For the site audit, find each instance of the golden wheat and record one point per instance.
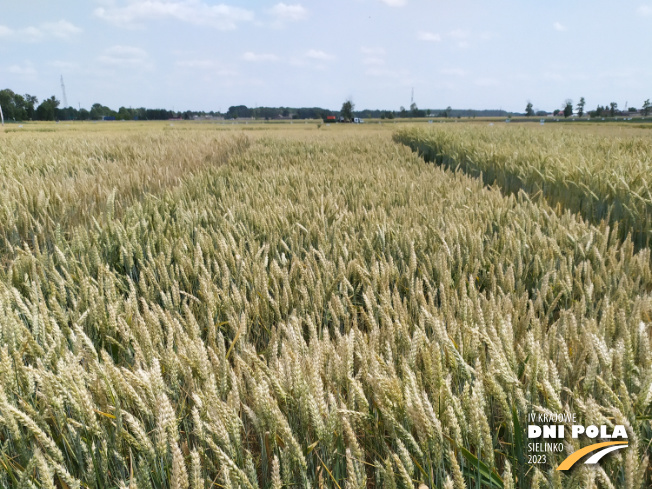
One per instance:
(301, 308)
(601, 175)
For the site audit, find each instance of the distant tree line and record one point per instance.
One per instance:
(608, 110)
(271, 113)
(611, 110)
(17, 107)
(348, 112)
(26, 107)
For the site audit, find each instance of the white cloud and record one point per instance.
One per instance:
(249, 56)
(387, 73)
(459, 36)
(394, 77)
(428, 36)
(559, 27)
(202, 64)
(285, 12)
(64, 65)
(207, 66)
(374, 56)
(222, 17)
(320, 55)
(395, 3)
(372, 51)
(124, 56)
(61, 29)
(26, 70)
(644, 10)
(30, 33)
(373, 61)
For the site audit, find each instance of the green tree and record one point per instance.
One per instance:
(239, 111)
(20, 104)
(568, 109)
(30, 106)
(347, 110)
(125, 114)
(17, 107)
(529, 110)
(46, 111)
(613, 108)
(580, 107)
(7, 103)
(646, 107)
(599, 111)
(416, 112)
(66, 114)
(96, 111)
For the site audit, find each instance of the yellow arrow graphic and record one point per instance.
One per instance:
(575, 456)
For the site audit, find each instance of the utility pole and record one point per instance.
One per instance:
(63, 90)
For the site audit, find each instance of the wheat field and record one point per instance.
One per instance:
(199, 306)
(599, 172)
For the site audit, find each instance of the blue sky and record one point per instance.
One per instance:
(208, 55)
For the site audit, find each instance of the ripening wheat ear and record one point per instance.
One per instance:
(179, 478)
(46, 472)
(276, 474)
(507, 476)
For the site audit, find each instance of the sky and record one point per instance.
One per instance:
(209, 55)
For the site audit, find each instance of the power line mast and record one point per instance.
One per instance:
(412, 97)
(63, 90)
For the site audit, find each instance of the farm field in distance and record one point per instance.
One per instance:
(276, 306)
